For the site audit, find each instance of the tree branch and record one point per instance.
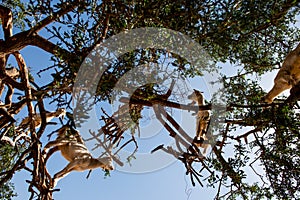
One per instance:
(68, 6)
(49, 47)
(164, 102)
(7, 24)
(236, 179)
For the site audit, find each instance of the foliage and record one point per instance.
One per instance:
(7, 191)
(7, 159)
(251, 34)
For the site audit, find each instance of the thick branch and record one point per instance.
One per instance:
(164, 102)
(23, 39)
(49, 47)
(15, 43)
(6, 18)
(25, 80)
(159, 112)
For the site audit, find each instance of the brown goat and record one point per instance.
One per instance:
(73, 149)
(202, 120)
(288, 75)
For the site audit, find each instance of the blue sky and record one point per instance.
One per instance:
(168, 182)
(165, 182)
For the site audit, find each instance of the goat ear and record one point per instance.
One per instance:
(197, 91)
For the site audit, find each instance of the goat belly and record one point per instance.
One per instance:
(84, 163)
(74, 151)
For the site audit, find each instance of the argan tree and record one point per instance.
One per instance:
(253, 36)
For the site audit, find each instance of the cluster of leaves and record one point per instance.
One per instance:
(246, 32)
(280, 154)
(274, 136)
(8, 158)
(7, 191)
(254, 34)
(6, 162)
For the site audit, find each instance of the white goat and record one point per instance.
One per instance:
(288, 75)
(73, 149)
(202, 120)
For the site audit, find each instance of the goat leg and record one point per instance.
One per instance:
(55, 143)
(64, 172)
(280, 85)
(50, 152)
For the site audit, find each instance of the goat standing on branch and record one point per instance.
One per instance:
(73, 149)
(203, 117)
(287, 77)
(61, 112)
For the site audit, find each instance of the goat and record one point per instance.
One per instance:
(288, 75)
(202, 120)
(73, 149)
(294, 94)
(26, 121)
(61, 112)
